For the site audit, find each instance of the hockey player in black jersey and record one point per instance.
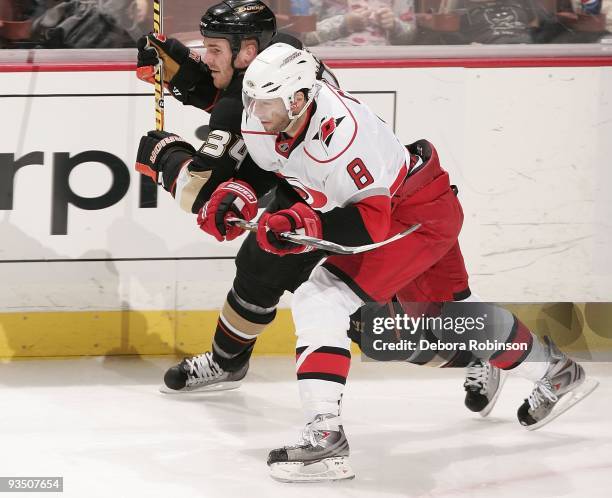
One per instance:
(234, 32)
(213, 85)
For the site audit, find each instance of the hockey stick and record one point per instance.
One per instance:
(158, 28)
(325, 245)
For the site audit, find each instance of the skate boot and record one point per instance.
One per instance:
(483, 383)
(563, 385)
(201, 374)
(320, 455)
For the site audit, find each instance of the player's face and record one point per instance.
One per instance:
(218, 58)
(272, 114)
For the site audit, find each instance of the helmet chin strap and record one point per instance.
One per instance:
(236, 70)
(292, 119)
(234, 57)
(235, 45)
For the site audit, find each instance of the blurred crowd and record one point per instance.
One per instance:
(72, 23)
(338, 23)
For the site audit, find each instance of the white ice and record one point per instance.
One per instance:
(103, 426)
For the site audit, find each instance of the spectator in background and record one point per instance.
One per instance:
(496, 21)
(16, 20)
(91, 24)
(129, 14)
(607, 10)
(361, 22)
(575, 21)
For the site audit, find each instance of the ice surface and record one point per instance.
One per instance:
(102, 424)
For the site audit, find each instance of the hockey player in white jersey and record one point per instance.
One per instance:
(361, 185)
(232, 30)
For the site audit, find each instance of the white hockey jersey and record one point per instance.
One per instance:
(343, 154)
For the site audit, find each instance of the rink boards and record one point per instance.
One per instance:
(92, 261)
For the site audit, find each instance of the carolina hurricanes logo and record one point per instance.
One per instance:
(327, 129)
(313, 197)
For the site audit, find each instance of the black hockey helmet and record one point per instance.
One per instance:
(237, 20)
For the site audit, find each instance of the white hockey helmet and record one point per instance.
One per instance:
(278, 72)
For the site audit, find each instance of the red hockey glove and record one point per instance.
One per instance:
(233, 199)
(299, 218)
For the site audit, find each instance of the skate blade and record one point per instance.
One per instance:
(221, 386)
(487, 409)
(329, 469)
(568, 400)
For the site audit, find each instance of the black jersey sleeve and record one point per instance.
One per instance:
(193, 85)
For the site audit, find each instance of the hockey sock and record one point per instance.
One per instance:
(536, 363)
(530, 362)
(321, 310)
(238, 327)
(321, 373)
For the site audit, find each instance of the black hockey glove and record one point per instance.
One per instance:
(158, 149)
(182, 66)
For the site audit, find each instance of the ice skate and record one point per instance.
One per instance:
(483, 383)
(201, 374)
(563, 385)
(320, 455)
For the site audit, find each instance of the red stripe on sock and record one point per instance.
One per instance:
(509, 358)
(326, 363)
